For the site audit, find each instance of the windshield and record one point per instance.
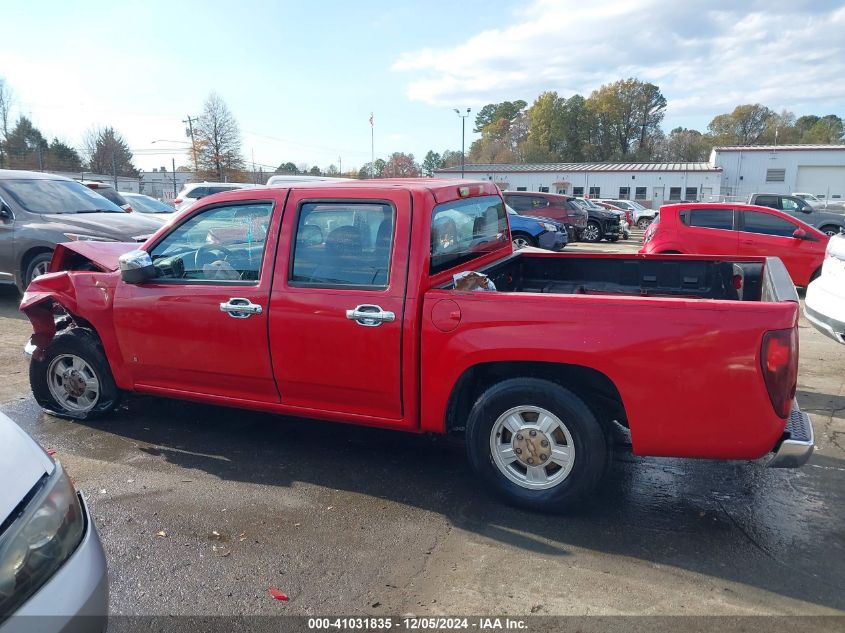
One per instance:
(589, 204)
(56, 196)
(148, 205)
(466, 229)
(636, 205)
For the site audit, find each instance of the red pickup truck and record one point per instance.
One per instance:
(340, 301)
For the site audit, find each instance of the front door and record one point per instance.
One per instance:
(658, 197)
(338, 302)
(200, 326)
(770, 235)
(7, 246)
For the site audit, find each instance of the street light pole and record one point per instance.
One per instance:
(463, 136)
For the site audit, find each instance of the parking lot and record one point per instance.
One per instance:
(201, 509)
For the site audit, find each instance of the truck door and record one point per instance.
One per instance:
(200, 326)
(338, 301)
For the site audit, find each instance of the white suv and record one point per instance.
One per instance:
(824, 305)
(193, 191)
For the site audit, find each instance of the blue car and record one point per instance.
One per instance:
(541, 232)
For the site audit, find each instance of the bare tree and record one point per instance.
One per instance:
(218, 140)
(6, 100)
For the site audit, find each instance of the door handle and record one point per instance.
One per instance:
(370, 315)
(748, 242)
(240, 308)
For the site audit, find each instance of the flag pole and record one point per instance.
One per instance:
(372, 145)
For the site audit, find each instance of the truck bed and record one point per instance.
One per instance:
(680, 276)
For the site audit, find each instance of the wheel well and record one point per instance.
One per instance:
(835, 228)
(592, 386)
(30, 255)
(522, 234)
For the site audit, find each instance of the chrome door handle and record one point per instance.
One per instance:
(240, 308)
(370, 315)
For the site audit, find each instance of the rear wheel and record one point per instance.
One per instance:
(521, 240)
(536, 443)
(591, 232)
(643, 223)
(73, 378)
(830, 230)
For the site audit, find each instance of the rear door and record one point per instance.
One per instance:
(707, 231)
(770, 235)
(337, 305)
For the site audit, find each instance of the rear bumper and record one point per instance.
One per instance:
(797, 446)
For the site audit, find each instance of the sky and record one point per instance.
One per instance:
(303, 77)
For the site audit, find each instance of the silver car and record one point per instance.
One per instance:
(52, 563)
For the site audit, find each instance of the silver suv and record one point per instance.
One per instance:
(38, 211)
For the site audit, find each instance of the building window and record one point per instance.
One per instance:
(775, 175)
(521, 189)
(624, 193)
(578, 191)
(691, 194)
(640, 193)
(595, 192)
(674, 193)
(543, 190)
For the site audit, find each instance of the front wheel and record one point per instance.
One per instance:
(38, 266)
(591, 232)
(536, 443)
(830, 230)
(73, 378)
(521, 240)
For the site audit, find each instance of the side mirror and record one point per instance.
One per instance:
(801, 234)
(806, 209)
(5, 212)
(136, 267)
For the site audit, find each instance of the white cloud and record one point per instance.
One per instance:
(706, 56)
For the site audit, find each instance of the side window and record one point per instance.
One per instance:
(198, 192)
(466, 229)
(519, 203)
(767, 201)
(212, 190)
(788, 204)
(219, 244)
(539, 203)
(767, 224)
(343, 244)
(711, 218)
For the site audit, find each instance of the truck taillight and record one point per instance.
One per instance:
(779, 361)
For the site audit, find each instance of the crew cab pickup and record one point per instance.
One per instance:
(372, 303)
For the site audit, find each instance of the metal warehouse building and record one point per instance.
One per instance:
(816, 169)
(651, 184)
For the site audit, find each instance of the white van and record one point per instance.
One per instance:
(282, 180)
(193, 191)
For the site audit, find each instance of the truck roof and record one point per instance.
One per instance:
(441, 188)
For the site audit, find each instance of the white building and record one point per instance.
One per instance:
(816, 169)
(124, 183)
(651, 184)
(163, 184)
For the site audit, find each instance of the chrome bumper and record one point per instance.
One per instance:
(796, 449)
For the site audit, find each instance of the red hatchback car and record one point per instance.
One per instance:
(738, 230)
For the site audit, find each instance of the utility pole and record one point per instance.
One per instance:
(372, 147)
(339, 166)
(189, 121)
(41, 160)
(463, 136)
(173, 162)
(254, 181)
(114, 169)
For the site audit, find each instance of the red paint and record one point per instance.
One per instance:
(689, 371)
(278, 595)
(802, 257)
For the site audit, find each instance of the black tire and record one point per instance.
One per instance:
(592, 232)
(528, 240)
(84, 344)
(830, 230)
(613, 238)
(35, 263)
(591, 449)
(643, 223)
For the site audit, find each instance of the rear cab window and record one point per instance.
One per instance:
(464, 230)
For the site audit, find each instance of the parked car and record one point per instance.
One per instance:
(642, 215)
(598, 216)
(718, 228)
(109, 193)
(827, 221)
(377, 305)
(52, 563)
(821, 203)
(39, 210)
(549, 205)
(629, 215)
(540, 232)
(194, 191)
(824, 305)
(156, 209)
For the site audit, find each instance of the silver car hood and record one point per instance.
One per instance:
(119, 226)
(22, 464)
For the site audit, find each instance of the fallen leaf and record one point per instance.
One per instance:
(329, 507)
(161, 534)
(297, 524)
(51, 451)
(278, 595)
(103, 491)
